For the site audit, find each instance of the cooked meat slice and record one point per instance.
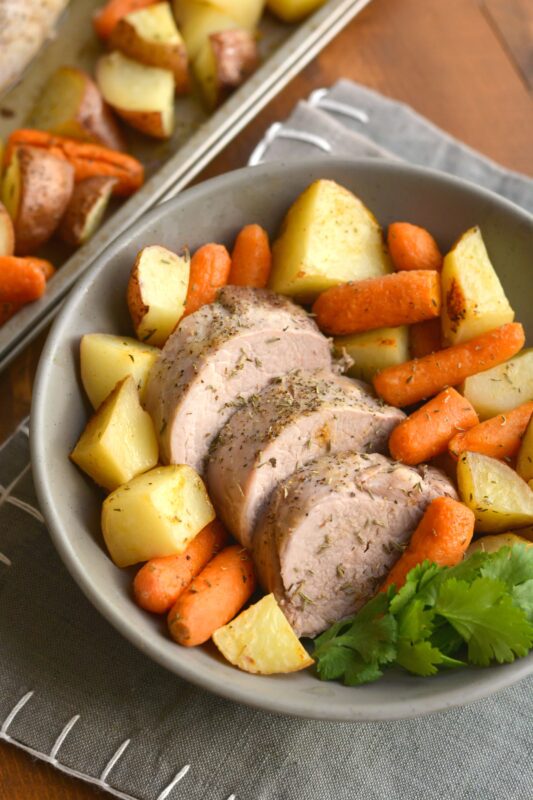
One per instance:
(295, 419)
(334, 529)
(24, 27)
(217, 358)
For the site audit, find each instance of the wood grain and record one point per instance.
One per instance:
(513, 20)
(452, 63)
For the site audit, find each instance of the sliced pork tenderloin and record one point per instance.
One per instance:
(294, 420)
(217, 358)
(333, 530)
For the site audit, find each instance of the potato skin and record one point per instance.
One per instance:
(167, 56)
(226, 60)
(150, 122)
(90, 119)
(76, 226)
(46, 187)
(136, 307)
(7, 234)
(236, 57)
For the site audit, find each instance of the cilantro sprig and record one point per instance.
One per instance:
(478, 612)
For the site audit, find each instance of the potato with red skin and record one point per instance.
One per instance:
(142, 95)
(36, 189)
(224, 61)
(86, 209)
(70, 104)
(150, 36)
(7, 233)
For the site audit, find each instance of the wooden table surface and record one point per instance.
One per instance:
(465, 64)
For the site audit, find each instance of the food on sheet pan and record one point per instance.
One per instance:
(24, 27)
(151, 52)
(333, 521)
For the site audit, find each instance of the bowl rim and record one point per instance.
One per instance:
(493, 680)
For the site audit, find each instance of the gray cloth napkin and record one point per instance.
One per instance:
(76, 694)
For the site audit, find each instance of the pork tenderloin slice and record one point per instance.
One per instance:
(294, 420)
(334, 529)
(218, 357)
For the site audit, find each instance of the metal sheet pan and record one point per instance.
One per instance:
(171, 165)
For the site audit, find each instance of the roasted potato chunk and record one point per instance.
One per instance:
(293, 10)
(70, 104)
(473, 298)
(328, 237)
(490, 544)
(375, 350)
(155, 514)
(150, 36)
(119, 441)
(86, 209)
(246, 13)
(223, 62)
(197, 21)
(501, 388)
(106, 359)
(36, 190)
(524, 462)
(499, 498)
(260, 640)
(7, 233)
(142, 95)
(157, 291)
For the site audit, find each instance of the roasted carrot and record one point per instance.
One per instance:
(87, 159)
(214, 597)
(398, 299)
(21, 280)
(106, 18)
(443, 535)
(159, 583)
(251, 259)
(411, 247)
(210, 269)
(45, 266)
(499, 437)
(426, 433)
(421, 378)
(425, 337)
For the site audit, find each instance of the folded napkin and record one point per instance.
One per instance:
(75, 693)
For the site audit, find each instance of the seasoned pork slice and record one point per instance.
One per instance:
(217, 358)
(334, 529)
(294, 420)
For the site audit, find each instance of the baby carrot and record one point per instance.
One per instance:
(21, 280)
(424, 377)
(425, 337)
(251, 258)
(426, 433)
(210, 269)
(106, 18)
(45, 266)
(442, 536)
(398, 299)
(499, 437)
(411, 247)
(159, 583)
(88, 159)
(214, 597)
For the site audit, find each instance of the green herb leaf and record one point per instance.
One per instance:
(486, 618)
(512, 565)
(420, 658)
(522, 596)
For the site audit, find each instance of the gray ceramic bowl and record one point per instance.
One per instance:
(215, 211)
